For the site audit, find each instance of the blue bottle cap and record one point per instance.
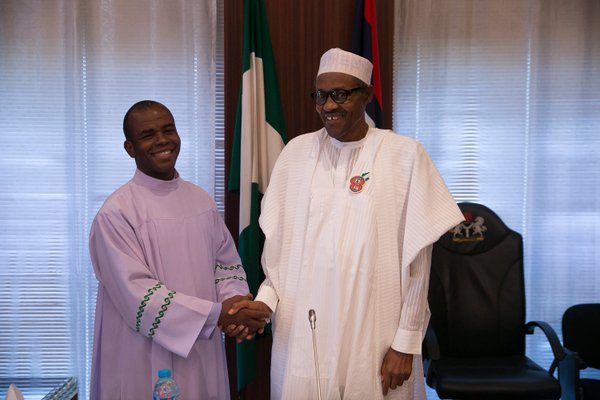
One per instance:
(164, 373)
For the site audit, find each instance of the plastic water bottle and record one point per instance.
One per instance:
(165, 388)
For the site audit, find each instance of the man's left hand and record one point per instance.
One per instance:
(395, 369)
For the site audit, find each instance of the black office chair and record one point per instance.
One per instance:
(581, 339)
(475, 344)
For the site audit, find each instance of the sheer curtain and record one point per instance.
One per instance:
(505, 96)
(68, 72)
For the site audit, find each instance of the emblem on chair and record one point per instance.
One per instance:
(470, 230)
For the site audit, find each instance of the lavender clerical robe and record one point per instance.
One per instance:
(164, 261)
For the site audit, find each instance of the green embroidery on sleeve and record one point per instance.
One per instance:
(140, 312)
(238, 278)
(161, 313)
(234, 268)
(227, 267)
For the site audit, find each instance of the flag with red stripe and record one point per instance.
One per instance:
(364, 43)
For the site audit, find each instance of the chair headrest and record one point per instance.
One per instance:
(481, 231)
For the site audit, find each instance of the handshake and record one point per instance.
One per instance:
(242, 318)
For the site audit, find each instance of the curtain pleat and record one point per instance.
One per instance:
(504, 95)
(69, 70)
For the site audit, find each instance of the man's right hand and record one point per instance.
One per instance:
(241, 306)
(246, 303)
(245, 321)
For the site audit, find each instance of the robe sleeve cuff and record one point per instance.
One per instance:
(408, 342)
(267, 295)
(181, 324)
(211, 321)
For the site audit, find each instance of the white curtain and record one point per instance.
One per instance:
(69, 70)
(505, 95)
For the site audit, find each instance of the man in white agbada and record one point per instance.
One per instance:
(349, 218)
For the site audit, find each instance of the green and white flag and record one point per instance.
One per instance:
(259, 138)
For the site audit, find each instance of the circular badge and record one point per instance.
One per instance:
(356, 184)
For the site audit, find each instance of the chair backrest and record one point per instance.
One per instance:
(476, 291)
(581, 332)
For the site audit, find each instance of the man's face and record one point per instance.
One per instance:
(344, 122)
(153, 142)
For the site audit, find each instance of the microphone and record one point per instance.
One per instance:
(312, 318)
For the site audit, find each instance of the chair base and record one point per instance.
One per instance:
(494, 378)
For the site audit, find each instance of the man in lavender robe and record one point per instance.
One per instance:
(168, 271)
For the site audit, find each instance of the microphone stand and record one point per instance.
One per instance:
(312, 318)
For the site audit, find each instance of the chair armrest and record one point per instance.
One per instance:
(557, 349)
(431, 345)
(568, 375)
(579, 363)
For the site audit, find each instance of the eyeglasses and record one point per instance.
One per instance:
(337, 95)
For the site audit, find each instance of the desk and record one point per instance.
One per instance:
(42, 388)
(67, 390)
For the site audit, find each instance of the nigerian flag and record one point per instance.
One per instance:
(259, 138)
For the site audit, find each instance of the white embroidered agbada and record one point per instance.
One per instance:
(360, 260)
